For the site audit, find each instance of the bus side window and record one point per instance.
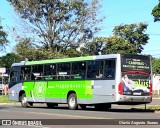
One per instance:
(25, 73)
(95, 70)
(109, 69)
(78, 70)
(37, 72)
(50, 72)
(63, 71)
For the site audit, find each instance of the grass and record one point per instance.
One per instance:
(4, 99)
(156, 96)
(154, 108)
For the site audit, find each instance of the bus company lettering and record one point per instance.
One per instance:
(142, 83)
(71, 86)
(135, 63)
(136, 66)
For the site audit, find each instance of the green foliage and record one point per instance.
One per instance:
(95, 46)
(156, 65)
(126, 39)
(71, 52)
(154, 108)
(60, 24)
(116, 44)
(3, 37)
(156, 12)
(25, 49)
(7, 60)
(133, 35)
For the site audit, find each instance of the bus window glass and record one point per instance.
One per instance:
(37, 72)
(78, 70)
(13, 76)
(25, 73)
(63, 71)
(109, 69)
(95, 70)
(50, 72)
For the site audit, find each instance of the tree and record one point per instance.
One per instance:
(60, 24)
(25, 49)
(126, 39)
(116, 44)
(3, 37)
(156, 12)
(94, 47)
(156, 65)
(7, 60)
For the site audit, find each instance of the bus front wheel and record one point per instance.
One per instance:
(24, 102)
(72, 101)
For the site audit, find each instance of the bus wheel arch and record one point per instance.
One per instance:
(72, 100)
(20, 95)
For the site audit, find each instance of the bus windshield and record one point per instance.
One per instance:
(136, 71)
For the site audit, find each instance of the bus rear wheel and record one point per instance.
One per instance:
(72, 101)
(24, 102)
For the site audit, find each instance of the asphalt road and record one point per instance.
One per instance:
(40, 111)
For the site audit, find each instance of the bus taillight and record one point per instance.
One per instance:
(120, 88)
(150, 90)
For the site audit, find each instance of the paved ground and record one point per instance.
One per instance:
(40, 111)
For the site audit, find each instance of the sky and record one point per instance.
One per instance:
(117, 12)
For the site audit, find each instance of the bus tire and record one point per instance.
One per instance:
(72, 101)
(51, 105)
(24, 102)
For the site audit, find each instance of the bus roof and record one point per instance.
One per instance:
(18, 64)
(71, 59)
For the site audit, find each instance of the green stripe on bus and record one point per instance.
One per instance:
(58, 89)
(59, 60)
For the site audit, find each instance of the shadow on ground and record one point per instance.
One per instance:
(120, 110)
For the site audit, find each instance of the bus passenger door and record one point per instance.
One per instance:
(14, 85)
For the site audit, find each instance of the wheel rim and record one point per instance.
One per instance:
(24, 100)
(72, 101)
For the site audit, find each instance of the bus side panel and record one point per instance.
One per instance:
(35, 91)
(14, 92)
(103, 92)
(118, 77)
(57, 91)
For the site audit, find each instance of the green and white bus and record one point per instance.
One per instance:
(100, 81)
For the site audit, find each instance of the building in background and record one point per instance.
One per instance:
(156, 84)
(3, 81)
